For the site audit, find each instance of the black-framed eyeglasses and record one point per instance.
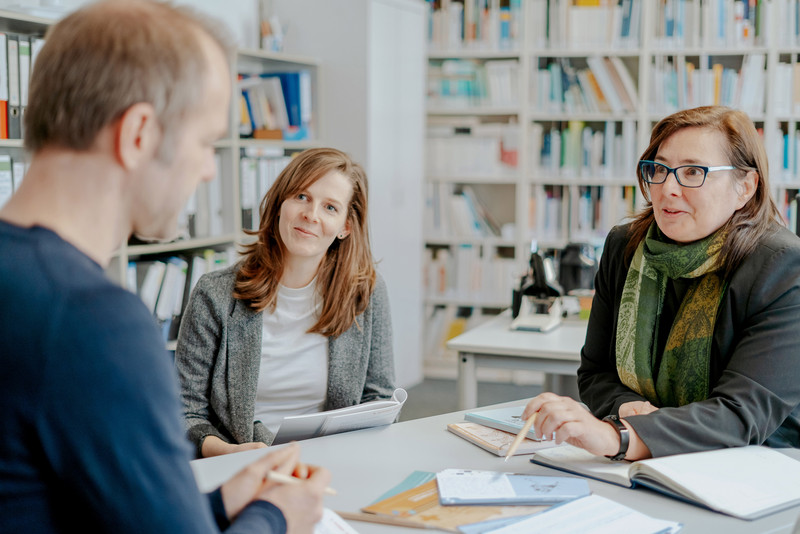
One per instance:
(687, 175)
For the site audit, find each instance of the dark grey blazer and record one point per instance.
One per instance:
(219, 353)
(755, 354)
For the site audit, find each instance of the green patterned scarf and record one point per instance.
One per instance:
(682, 375)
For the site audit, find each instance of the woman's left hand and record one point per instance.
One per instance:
(567, 420)
(636, 408)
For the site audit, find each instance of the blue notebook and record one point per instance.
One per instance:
(508, 419)
(467, 486)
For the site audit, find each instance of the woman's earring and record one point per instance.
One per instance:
(341, 236)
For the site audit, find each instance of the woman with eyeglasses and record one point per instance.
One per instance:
(694, 337)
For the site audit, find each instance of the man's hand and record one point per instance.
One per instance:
(247, 484)
(301, 503)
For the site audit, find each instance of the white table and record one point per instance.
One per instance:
(367, 463)
(493, 344)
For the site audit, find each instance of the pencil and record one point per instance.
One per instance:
(286, 479)
(521, 436)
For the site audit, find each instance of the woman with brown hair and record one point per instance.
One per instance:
(300, 325)
(693, 338)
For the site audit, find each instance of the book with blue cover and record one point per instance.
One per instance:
(467, 486)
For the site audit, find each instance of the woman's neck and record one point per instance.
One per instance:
(299, 272)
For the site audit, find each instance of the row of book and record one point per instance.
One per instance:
(585, 24)
(164, 285)
(453, 210)
(600, 150)
(727, 23)
(203, 215)
(474, 24)
(787, 203)
(276, 105)
(12, 171)
(597, 84)
(258, 169)
(468, 147)
(594, 211)
(786, 90)
(558, 214)
(18, 53)
(784, 157)
(714, 23)
(685, 85)
(469, 272)
(460, 83)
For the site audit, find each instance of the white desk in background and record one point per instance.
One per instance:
(367, 463)
(492, 344)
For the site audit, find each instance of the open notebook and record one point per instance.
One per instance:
(744, 482)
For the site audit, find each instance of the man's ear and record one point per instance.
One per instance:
(137, 135)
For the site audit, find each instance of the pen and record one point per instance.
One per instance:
(286, 479)
(521, 436)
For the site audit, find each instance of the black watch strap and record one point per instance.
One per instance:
(624, 437)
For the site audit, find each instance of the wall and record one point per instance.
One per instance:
(372, 56)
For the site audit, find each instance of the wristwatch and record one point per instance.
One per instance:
(624, 437)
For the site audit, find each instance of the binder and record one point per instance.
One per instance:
(6, 181)
(3, 86)
(18, 172)
(24, 77)
(14, 112)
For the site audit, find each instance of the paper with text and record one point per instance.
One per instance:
(590, 515)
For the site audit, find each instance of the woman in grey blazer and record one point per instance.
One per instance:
(300, 325)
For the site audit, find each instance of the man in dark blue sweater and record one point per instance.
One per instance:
(126, 101)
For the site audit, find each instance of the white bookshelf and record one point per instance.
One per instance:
(224, 235)
(648, 56)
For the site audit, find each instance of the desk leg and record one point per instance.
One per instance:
(467, 381)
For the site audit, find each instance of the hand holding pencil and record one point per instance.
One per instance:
(520, 436)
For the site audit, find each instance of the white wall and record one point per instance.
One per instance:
(372, 57)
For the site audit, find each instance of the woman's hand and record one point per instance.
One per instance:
(567, 420)
(636, 408)
(213, 446)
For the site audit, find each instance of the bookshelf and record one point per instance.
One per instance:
(557, 98)
(212, 222)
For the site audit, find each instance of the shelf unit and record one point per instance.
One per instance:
(228, 233)
(653, 58)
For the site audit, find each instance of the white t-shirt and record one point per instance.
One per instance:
(293, 377)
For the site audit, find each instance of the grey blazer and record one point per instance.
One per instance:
(219, 353)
